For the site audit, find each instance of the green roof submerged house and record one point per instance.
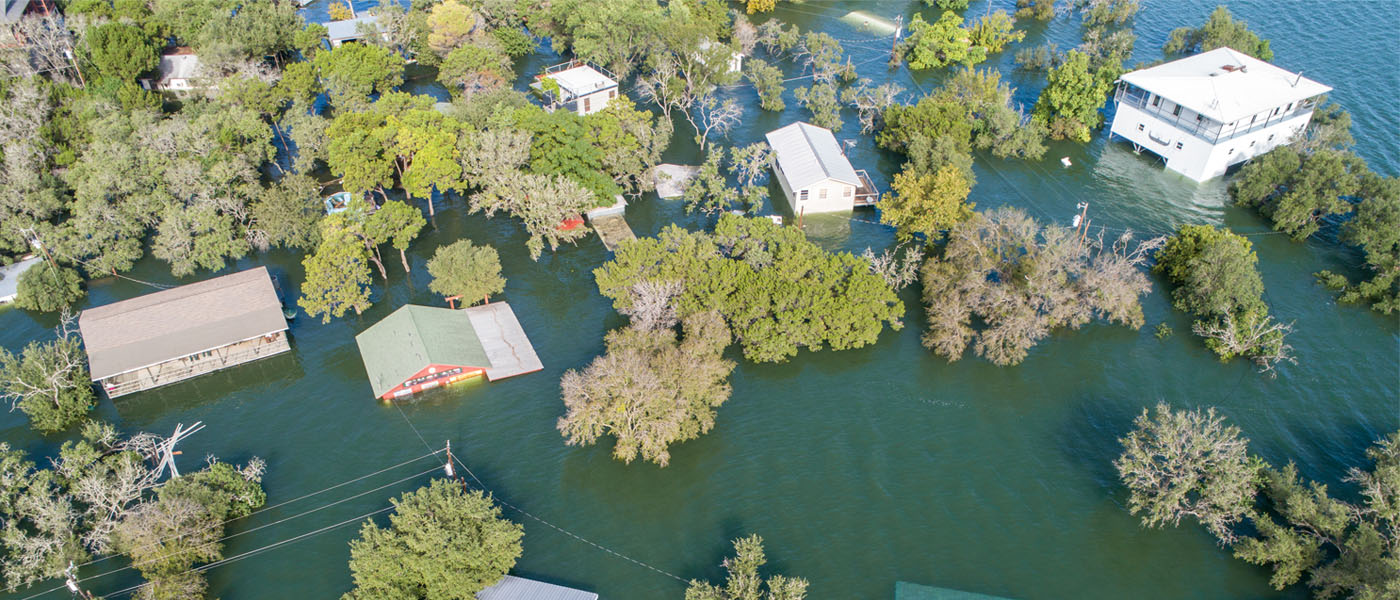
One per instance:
(418, 348)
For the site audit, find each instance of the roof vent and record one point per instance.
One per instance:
(1229, 68)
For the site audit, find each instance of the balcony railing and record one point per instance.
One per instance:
(866, 194)
(1204, 128)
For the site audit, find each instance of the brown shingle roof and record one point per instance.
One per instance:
(177, 322)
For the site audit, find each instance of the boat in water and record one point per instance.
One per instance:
(338, 202)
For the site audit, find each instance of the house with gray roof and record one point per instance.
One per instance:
(178, 71)
(519, 588)
(351, 30)
(175, 334)
(814, 173)
(418, 348)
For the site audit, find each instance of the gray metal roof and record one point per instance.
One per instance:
(519, 588)
(349, 29)
(14, 9)
(808, 154)
(178, 322)
(9, 277)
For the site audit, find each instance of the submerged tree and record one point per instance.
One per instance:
(1022, 281)
(1220, 30)
(442, 542)
(1188, 463)
(49, 382)
(1069, 104)
(337, 274)
(940, 43)
(48, 288)
(744, 582)
(467, 270)
(926, 204)
(650, 391)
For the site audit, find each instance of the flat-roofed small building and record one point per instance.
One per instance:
(519, 588)
(178, 71)
(418, 348)
(579, 87)
(1206, 112)
(814, 173)
(179, 333)
(352, 30)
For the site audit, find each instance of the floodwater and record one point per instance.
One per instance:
(858, 468)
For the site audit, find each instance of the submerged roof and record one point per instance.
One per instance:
(519, 588)
(904, 590)
(349, 29)
(1225, 85)
(808, 154)
(154, 328)
(9, 277)
(413, 337)
(582, 80)
(178, 63)
(505, 343)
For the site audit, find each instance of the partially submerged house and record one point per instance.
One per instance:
(735, 57)
(1209, 111)
(418, 348)
(352, 30)
(175, 334)
(519, 588)
(581, 88)
(814, 173)
(178, 71)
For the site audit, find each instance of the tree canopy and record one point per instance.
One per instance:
(1069, 104)
(777, 291)
(467, 270)
(1221, 29)
(49, 381)
(744, 581)
(441, 542)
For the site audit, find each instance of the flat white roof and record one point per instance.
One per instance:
(582, 80)
(808, 154)
(1225, 85)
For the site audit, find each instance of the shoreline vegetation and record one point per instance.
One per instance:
(99, 170)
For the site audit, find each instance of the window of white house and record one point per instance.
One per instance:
(1178, 145)
(612, 94)
(1271, 137)
(1232, 151)
(822, 194)
(802, 195)
(1156, 101)
(1176, 112)
(1140, 127)
(848, 192)
(1251, 143)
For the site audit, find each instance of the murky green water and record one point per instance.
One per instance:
(858, 468)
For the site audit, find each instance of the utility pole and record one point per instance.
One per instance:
(71, 582)
(1081, 224)
(74, 61)
(451, 472)
(898, 29)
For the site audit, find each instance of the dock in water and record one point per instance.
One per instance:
(613, 229)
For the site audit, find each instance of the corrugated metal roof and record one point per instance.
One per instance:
(154, 328)
(1248, 87)
(14, 9)
(519, 588)
(808, 154)
(413, 337)
(349, 29)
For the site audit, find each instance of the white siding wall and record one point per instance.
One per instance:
(1192, 156)
(836, 199)
(596, 101)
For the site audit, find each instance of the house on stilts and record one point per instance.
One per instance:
(417, 348)
(175, 334)
(1207, 112)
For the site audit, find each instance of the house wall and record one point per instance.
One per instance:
(433, 376)
(840, 197)
(595, 102)
(1193, 156)
(185, 367)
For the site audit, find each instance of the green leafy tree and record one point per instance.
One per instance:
(1221, 29)
(1040, 10)
(310, 40)
(49, 382)
(473, 69)
(1296, 191)
(47, 288)
(1188, 463)
(352, 72)
(450, 26)
(767, 80)
(1376, 229)
(337, 274)
(708, 191)
(285, 214)
(941, 43)
(442, 542)
(947, 4)
(927, 203)
(121, 51)
(1214, 276)
(467, 270)
(821, 100)
(995, 31)
(744, 581)
(397, 223)
(649, 391)
(777, 291)
(1069, 104)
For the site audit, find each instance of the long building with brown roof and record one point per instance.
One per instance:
(179, 333)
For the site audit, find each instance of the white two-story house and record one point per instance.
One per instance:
(582, 88)
(1207, 112)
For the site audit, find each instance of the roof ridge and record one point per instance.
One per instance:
(802, 126)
